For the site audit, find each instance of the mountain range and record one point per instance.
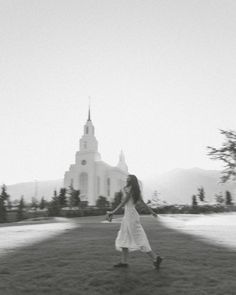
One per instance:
(175, 186)
(179, 185)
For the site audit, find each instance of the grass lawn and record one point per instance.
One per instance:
(80, 260)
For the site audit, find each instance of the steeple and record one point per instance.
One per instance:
(122, 163)
(89, 115)
(88, 142)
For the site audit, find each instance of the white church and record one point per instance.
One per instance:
(92, 176)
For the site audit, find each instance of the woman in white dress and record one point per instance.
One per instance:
(131, 236)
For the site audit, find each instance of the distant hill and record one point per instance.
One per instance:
(176, 186)
(27, 189)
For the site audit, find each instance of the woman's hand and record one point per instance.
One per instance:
(109, 216)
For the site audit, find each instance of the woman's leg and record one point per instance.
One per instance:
(124, 255)
(152, 255)
(156, 259)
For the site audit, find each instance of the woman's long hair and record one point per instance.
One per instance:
(132, 183)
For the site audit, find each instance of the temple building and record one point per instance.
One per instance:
(92, 176)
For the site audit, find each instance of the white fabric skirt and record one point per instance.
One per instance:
(131, 234)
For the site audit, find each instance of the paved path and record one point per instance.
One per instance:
(12, 237)
(215, 228)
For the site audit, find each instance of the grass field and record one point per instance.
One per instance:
(80, 260)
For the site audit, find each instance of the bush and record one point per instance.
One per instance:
(70, 213)
(102, 202)
(188, 209)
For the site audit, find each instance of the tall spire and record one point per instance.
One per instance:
(122, 163)
(89, 115)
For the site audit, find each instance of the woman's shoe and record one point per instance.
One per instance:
(120, 264)
(157, 262)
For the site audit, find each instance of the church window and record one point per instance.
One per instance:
(87, 129)
(98, 185)
(85, 144)
(83, 184)
(108, 187)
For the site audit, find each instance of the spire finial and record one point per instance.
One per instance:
(89, 115)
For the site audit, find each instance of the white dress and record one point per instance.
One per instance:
(131, 234)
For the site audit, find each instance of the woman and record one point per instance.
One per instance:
(131, 236)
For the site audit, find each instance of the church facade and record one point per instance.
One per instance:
(92, 176)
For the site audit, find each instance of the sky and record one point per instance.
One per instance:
(161, 76)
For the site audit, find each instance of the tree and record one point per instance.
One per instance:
(228, 198)
(102, 202)
(42, 204)
(219, 198)
(4, 197)
(9, 204)
(201, 194)
(227, 154)
(83, 204)
(34, 203)
(21, 207)
(62, 197)
(74, 199)
(54, 207)
(194, 200)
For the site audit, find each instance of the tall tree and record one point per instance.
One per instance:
(228, 198)
(9, 204)
(42, 203)
(34, 203)
(227, 154)
(20, 210)
(62, 197)
(201, 194)
(219, 198)
(4, 197)
(74, 199)
(54, 206)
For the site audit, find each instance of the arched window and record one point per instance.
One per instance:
(83, 184)
(98, 185)
(108, 187)
(87, 130)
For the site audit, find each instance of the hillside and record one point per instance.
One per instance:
(27, 189)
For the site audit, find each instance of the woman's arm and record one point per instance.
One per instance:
(149, 209)
(122, 203)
